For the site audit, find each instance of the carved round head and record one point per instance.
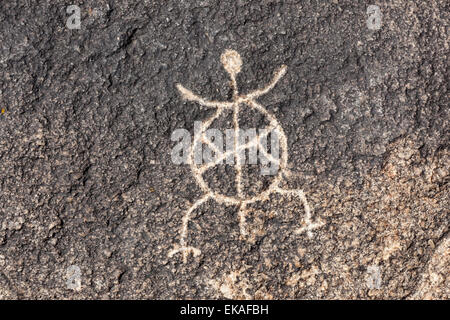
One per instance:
(231, 61)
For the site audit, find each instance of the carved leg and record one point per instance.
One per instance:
(183, 247)
(308, 225)
(242, 214)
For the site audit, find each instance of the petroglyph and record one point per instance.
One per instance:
(232, 63)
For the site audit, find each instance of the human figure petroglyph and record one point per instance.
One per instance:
(232, 63)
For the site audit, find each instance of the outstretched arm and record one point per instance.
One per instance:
(280, 73)
(189, 95)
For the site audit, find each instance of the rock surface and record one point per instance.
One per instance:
(91, 202)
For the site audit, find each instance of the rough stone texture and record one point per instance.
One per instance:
(86, 177)
(435, 282)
